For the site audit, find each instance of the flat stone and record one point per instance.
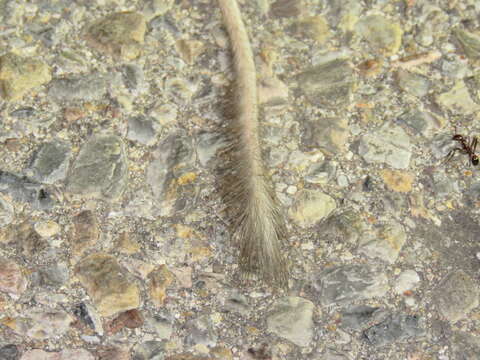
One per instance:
(169, 176)
(89, 316)
(18, 75)
(358, 317)
(207, 146)
(292, 318)
(9, 352)
(273, 94)
(7, 212)
(47, 229)
(310, 207)
(159, 280)
(470, 42)
(40, 324)
(415, 84)
(120, 35)
(141, 129)
(89, 87)
(383, 34)
(12, 280)
(131, 319)
(458, 99)
(397, 180)
(200, 332)
(134, 79)
(50, 162)
(313, 27)
(149, 350)
(346, 226)
(456, 296)
(67, 354)
(54, 275)
(100, 169)
(24, 190)
(407, 280)
(286, 8)
(348, 283)
(385, 243)
(110, 286)
(161, 325)
(28, 240)
(390, 145)
(114, 353)
(86, 231)
(328, 134)
(397, 327)
(465, 345)
(329, 84)
(420, 122)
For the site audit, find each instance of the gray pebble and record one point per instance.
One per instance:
(141, 129)
(50, 163)
(396, 327)
(100, 168)
(9, 352)
(390, 144)
(347, 283)
(85, 88)
(329, 84)
(149, 350)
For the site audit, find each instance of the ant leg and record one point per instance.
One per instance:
(450, 155)
(473, 144)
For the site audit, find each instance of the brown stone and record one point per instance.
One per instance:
(129, 319)
(160, 279)
(86, 231)
(12, 280)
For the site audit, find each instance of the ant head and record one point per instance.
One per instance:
(475, 160)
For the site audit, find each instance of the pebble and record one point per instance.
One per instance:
(47, 228)
(12, 280)
(470, 43)
(89, 316)
(347, 283)
(310, 207)
(456, 296)
(273, 94)
(131, 319)
(396, 180)
(28, 240)
(458, 100)
(40, 324)
(313, 27)
(385, 243)
(110, 286)
(7, 212)
(134, 79)
(383, 34)
(173, 156)
(120, 35)
(50, 162)
(141, 129)
(149, 350)
(346, 226)
(329, 84)
(86, 232)
(408, 280)
(200, 331)
(286, 8)
(162, 325)
(237, 303)
(464, 345)
(18, 75)
(158, 282)
(207, 146)
(54, 275)
(390, 145)
(9, 352)
(100, 169)
(22, 189)
(397, 327)
(328, 134)
(90, 87)
(415, 84)
(420, 122)
(68, 354)
(292, 318)
(359, 317)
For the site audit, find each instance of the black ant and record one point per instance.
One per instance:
(465, 148)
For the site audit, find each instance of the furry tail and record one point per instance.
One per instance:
(248, 195)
